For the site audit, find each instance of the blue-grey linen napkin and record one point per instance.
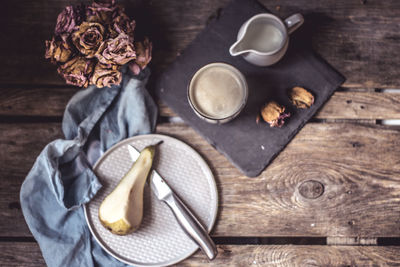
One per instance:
(61, 181)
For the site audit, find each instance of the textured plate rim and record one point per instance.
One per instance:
(199, 159)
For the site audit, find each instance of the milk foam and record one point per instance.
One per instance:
(217, 92)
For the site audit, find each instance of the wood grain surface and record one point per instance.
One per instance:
(360, 40)
(28, 254)
(361, 105)
(357, 166)
(331, 180)
(335, 180)
(35, 101)
(21, 254)
(347, 105)
(20, 144)
(342, 105)
(299, 256)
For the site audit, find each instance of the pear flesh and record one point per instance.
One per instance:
(121, 211)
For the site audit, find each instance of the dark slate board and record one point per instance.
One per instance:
(249, 146)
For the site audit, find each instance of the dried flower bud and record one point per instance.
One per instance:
(105, 76)
(76, 71)
(274, 114)
(122, 24)
(68, 21)
(88, 38)
(301, 98)
(107, 3)
(103, 12)
(116, 51)
(143, 56)
(57, 51)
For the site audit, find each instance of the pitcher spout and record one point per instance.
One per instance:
(236, 49)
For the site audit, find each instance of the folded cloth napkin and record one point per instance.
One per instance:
(62, 181)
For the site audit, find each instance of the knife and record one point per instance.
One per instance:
(184, 216)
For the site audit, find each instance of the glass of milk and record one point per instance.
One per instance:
(217, 92)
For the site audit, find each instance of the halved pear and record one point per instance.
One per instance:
(121, 211)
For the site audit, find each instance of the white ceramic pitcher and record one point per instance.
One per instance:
(264, 38)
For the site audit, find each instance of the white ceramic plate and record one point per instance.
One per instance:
(160, 240)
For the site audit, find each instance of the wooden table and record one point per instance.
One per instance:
(332, 197)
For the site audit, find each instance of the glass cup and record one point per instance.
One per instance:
(217, 92)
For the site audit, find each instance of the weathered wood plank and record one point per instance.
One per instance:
(21, 254)
(348, 105)
(331, 180)
(51, 101)
(360, 40)
(20, 144)
(287, 255)
(42, 101)
(356, 165)
(361, 105)
(28, 254)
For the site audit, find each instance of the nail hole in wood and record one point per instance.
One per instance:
(349, 101)
(356, 144)
(311, 189)
(351, 222)
(226, 251)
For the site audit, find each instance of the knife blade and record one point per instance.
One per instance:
(186, 219)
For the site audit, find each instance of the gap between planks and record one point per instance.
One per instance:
(274, 240)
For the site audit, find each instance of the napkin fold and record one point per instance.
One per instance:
(61, 180)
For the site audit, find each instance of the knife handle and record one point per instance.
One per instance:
(192, 226)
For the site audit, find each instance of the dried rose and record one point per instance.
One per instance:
(116, 51)
(57, 51)
(106, 3)
(143, 56)
(301, 98)
(122, 24)
(274, 114)
(68, 20)
(102, 12)
(76, 71)
(88, 38)
(105, 76)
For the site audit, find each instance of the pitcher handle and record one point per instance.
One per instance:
(293, 22)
